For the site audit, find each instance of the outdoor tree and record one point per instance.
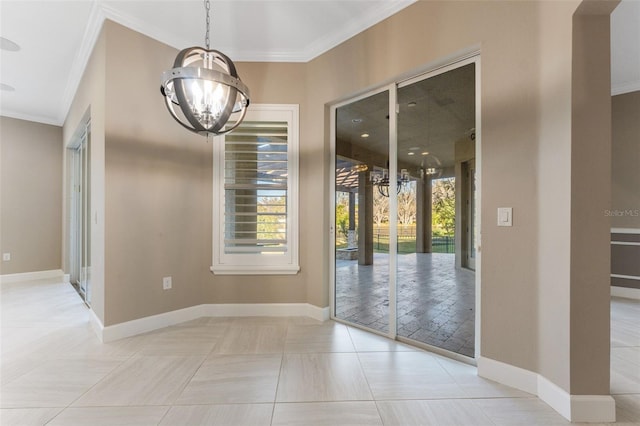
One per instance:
(342, 212)
(407, 205)
(271, 217)
(380, 208)
(444, 206)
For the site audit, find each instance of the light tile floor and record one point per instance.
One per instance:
(435, 302)
(255, 371)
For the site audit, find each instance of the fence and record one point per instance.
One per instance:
(407, 240)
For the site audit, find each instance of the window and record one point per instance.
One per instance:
(255, 193)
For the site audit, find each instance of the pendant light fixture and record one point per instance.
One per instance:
(203, 91)
(381, 181)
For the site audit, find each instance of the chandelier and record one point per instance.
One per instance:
(203, 91)
(381, 181)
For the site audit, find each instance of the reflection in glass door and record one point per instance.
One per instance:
(405, 210)
(362, 213)
(436, 297)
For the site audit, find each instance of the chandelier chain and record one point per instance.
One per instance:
(207, 6)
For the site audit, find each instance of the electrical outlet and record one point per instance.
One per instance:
(166, 283)
(6, 256)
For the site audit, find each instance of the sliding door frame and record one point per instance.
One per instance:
(432, 70)
(393, 207)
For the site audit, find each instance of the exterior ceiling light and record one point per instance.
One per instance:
(364, 135)
(203, 91)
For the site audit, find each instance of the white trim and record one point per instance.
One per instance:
(332, 210)
(265, 310)
(575, 408)
(622, 88)
(79, 65)
(625, 243)
(393, 210)
(288, 263)
(44, 119)
(155, 322)
(626, 277)
(625, 230)
(305, 54)
(593, 408)
(254, 269)
(96, 325)
(478, 188)
(556, 397)
(356, 26)
(318, 313)
(507, 374)
(626, 292)
(30, 276)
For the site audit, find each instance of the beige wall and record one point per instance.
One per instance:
(158, 177)
(625, 173)
(159, 189)
(590, 196)
(508, 34)
(30, 196)
(527, 155)
(283, 83)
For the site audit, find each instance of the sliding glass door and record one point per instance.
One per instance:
(436, 143)
(405, 210)
(80, 223)
(361, 227)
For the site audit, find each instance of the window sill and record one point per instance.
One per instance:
(254, 270)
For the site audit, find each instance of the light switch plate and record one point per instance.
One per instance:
(505, 216)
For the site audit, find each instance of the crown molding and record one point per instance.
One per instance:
(43, 119)
(627, 87)
(101, 11)
(89, 39)
(355, 27)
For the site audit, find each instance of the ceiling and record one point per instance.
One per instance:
(434, 115)
(56, 38)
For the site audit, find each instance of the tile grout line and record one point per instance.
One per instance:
(282, 355)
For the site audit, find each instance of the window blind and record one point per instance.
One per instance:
(256, 188)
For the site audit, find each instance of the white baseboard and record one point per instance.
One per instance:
(575, 408)
(509, 375)
(629, 293)
(556, 397)
(593, 409)
(96, 324)
(155, 322)
(317, 313)
(31, 276)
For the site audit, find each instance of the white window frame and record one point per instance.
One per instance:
(259, 263)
